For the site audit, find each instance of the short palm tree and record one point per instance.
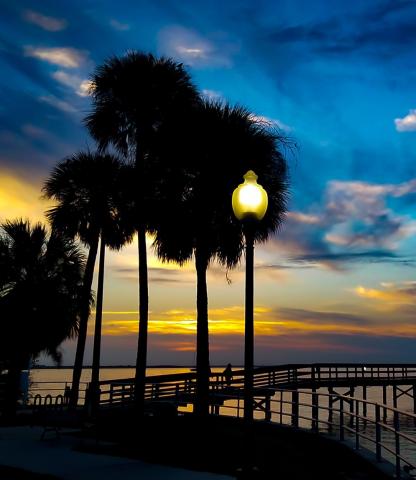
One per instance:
(40, 295)
(87, 188)
(133, 96)
(213, 148)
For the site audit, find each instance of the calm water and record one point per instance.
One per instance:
(43, 382)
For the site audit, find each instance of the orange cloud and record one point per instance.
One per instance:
(390, 293)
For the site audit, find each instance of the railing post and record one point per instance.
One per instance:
(331, 408)
(384, 402)
(378, 434)
(397, 442)
(414, 397)
(357, 425)
(365, 401)
(341, 419)
(295, 408)
(267, 411)
(315, 411)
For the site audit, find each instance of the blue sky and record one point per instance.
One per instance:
(338, 77)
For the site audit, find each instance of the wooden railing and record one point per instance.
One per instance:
(182, 385)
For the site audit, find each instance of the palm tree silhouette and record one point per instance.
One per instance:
(87, 187)
(215, 146)
(40, 295)
(133, 96)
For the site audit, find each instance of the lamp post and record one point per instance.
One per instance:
(249, 202)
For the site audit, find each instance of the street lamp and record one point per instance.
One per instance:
(249, 203)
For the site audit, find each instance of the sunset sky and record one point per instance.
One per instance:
(338, 283)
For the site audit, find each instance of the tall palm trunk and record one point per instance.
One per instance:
(95, 373)
(143, 322)
(202, 338)
(141, 359)
(83, 322)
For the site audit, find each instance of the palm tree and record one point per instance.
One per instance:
(214, 147)
(40, 295)
(133, 96)
(87, 187)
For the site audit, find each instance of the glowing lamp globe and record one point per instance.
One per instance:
(249, 199)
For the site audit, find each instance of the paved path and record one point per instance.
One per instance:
(21, 447)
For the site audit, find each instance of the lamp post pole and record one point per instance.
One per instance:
(249, 202)
(249, 325)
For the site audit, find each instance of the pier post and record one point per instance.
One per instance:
(267, 409)
(351, 422)
(330, 407)
(395, 396)
(378, 434)
(384, 402)
(341, 419)
(315, 410)
(414, 397)
(295, 408)
(365, 400)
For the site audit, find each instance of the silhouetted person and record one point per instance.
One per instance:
(228, 374)
(67, 394)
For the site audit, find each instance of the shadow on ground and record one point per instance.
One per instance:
(227, 446)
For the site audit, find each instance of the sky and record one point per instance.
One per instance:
(337, 282)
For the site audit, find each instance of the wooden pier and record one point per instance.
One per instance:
(394, 380)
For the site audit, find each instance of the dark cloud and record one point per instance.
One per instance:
(360, 257)
(375, 32)
(315, 317)
(156, 275)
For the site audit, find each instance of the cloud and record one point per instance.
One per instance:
(34, 131)
(193, 49)
(358, 216)
(122, 27)
(79, 85)
(407, 123)
(270, 122)
(47, 23)
(375, 32)
(306, 218)
(57, 103)
(317, 317)
(352, 223)
(62, 56)
(212, 94)
(403, 293)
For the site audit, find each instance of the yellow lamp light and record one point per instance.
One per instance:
(249, 199)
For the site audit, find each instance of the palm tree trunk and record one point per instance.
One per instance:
(202, 337)
(140, 380)
(83, 322)
(95, 373)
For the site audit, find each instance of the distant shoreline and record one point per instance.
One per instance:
(66, 367)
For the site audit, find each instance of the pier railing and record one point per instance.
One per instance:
(386, 431)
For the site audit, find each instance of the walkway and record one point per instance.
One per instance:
(21, 447)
